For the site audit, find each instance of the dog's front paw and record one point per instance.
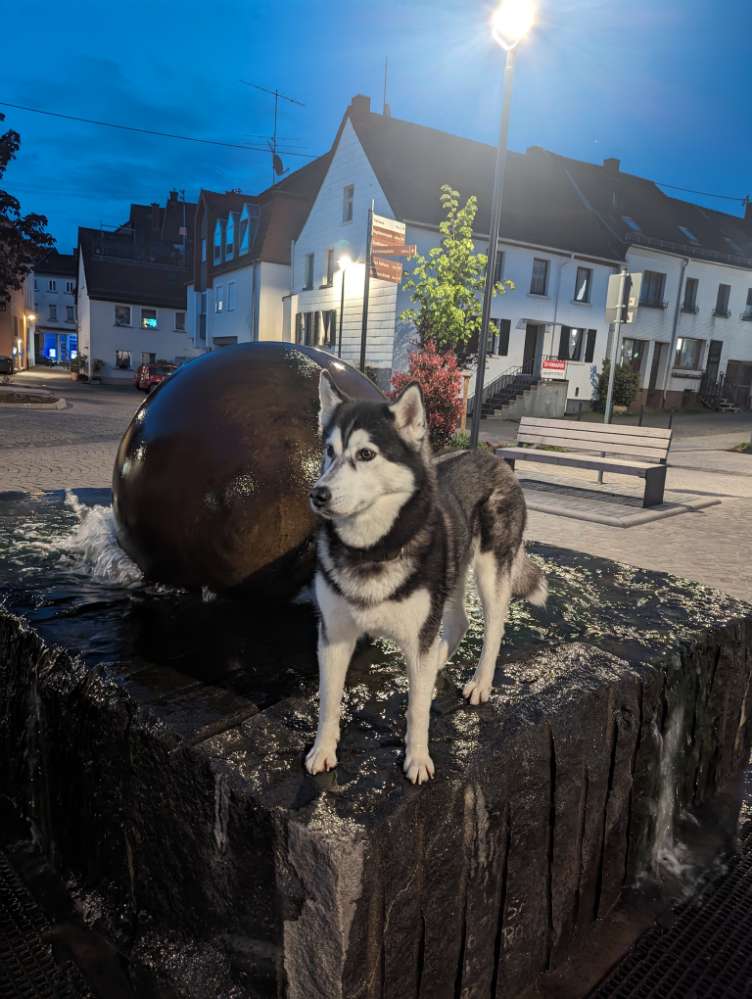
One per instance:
(418, 767)
(321, 758)
(477, 691)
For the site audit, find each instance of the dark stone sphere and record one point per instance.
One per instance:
(211, 479)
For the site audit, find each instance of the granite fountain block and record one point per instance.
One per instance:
(154, 741)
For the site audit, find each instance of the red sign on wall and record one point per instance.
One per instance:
(553, 366)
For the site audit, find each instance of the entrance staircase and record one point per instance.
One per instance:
(502, 391)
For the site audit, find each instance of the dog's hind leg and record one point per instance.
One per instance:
(337, 637)
(495, 590)
(455, 622)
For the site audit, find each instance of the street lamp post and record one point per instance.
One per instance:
(510, 23)
(344, 262)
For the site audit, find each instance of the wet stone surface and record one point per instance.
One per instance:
(155, 740)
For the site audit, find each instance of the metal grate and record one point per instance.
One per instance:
(27, 968)
(706, 954)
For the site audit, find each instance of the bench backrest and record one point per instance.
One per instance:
(644, 443)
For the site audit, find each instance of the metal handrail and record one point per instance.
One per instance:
(507, 377)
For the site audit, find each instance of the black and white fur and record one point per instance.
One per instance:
(399, 531)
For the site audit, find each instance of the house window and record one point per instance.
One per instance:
(69, 287)
(632, 352)
(571, 343)
(505, 326)
(123, 360)
(329, 268)
(52, 285)
(230, 237)
(36, 285)
(539, 280)
(122, 315)
(688, 353)
(653, 283)
(582, 284)
(690, 295)
(149, 319)
(219, 298)
(590, 346)
(231, 296)
(499, 268)
(69, 317)
(329, 324)
(180, 321)
(218, 239)
(244, 231)
(347, 202)
(148, 358)
(203, 250)
(747, 314)
(309, 261)
(53, 313)
(722, 301)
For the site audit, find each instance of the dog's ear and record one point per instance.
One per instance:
(410, 415)
(329, 398)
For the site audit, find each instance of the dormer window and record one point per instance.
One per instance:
(230, 237)
(244, 231)
(631, 223)
(688, 234)
(218, 240)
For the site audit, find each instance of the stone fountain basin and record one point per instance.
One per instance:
(154, 743)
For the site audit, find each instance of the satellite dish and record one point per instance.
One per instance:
(278, 165)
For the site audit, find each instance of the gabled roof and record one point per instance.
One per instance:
(549, 200)
(115, 275)
(60, 264)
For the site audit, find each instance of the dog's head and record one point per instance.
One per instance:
(372, 450)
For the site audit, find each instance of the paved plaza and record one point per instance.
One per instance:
(45, 448)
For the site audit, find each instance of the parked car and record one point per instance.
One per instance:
(149, 376)
(6, 369)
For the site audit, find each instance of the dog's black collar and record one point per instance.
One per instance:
(412, 516)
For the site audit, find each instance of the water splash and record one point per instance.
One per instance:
(94, 546)
(668, 855)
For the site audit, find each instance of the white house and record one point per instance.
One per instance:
(131, 291)
(566, 227)
(241, 263)
(55, 308)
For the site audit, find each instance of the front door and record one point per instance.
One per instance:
(714, 360)
(531, 350)
(657, 355)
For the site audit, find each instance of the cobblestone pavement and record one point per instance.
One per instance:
(75, 447)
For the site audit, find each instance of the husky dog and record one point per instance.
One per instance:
(398, 533)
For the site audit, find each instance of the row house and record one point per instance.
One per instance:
(241, 261)
(17, 325)
(566, 227)
(56, 325)
(131, 291)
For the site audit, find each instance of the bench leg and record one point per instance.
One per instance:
(655, 483)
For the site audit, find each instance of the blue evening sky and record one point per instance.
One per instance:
(662, 84)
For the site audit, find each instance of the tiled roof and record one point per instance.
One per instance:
(117, 277)
(61, 264)
(549, 200)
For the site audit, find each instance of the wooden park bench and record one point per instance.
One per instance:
(644, 450)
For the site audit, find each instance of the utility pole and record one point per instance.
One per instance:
(614, 349)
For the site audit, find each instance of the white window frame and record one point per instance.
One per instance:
(148, 329)
(218, 244)
(70, 314)
(53, 312)
(69, 285)
(309, 271)
(229, 244)
(348, 200)
(180, 327)
(232, 297)
(51, 285)
(219, 298)
(130, 315)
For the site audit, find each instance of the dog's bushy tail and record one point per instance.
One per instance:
(528, 580)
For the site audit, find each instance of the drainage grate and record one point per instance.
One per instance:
(706, 954)
(27, 968)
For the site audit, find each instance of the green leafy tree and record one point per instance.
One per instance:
(626, 384)
(447, 283)
(23, 238)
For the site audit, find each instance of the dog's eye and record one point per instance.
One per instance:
(329, 451)
(365, 454)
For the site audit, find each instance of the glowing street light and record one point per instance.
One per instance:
(31, 316)
(343, 263)
(510, 23)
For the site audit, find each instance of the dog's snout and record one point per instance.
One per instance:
(320, 496)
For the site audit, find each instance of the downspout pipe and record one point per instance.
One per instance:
(672, 345)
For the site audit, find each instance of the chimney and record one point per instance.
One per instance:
(611, 164)
(360, 105)
(748, 209)
(173, 196)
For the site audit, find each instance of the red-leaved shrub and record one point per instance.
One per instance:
(440, 380)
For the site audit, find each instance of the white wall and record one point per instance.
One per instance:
(324, 229)
(272, 284)
(104, 338)
(60, 298)
(83, 309)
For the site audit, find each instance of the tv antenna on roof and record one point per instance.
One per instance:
(278, 167)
